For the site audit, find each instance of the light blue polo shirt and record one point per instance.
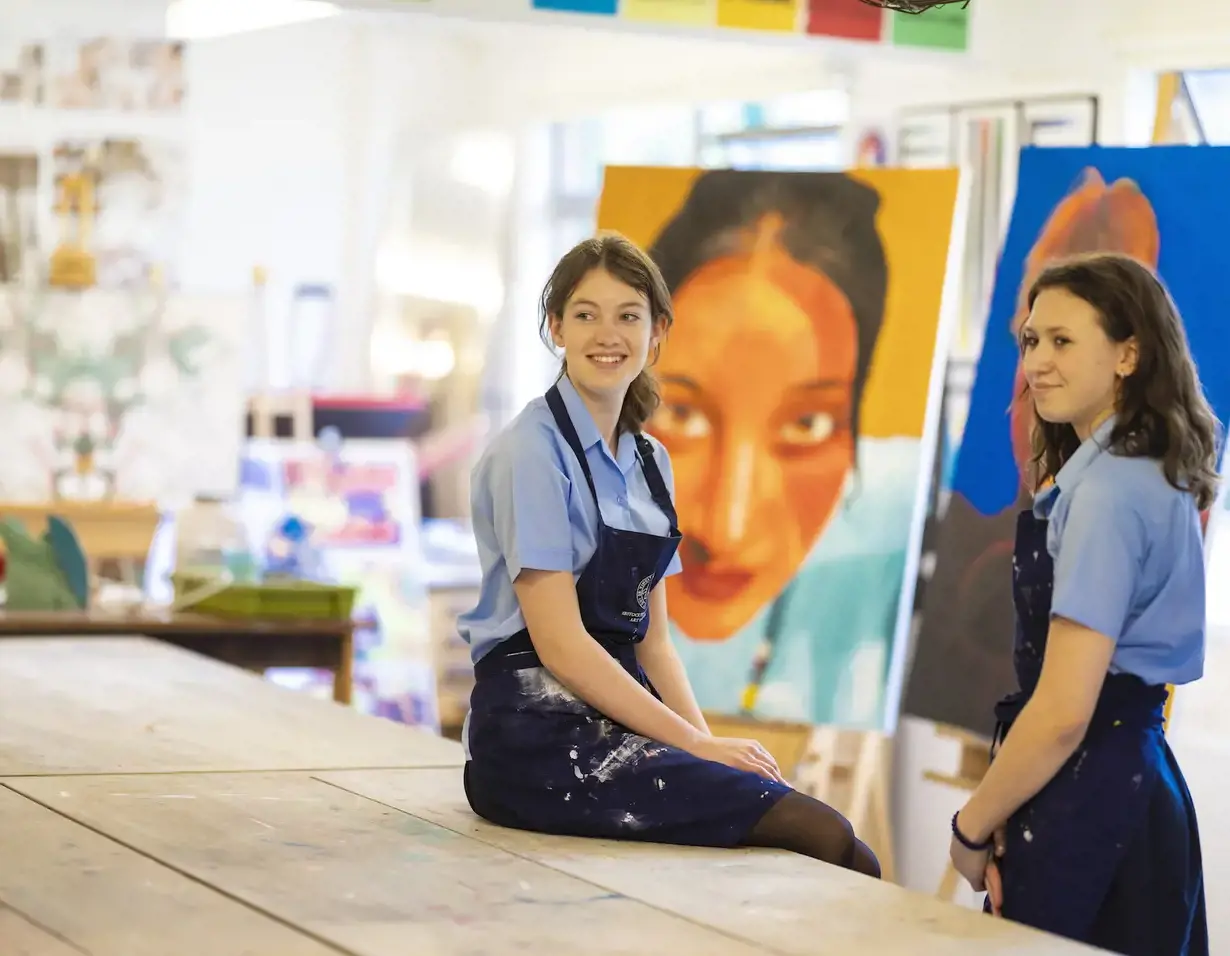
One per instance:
(531, 508)
(1129, 560)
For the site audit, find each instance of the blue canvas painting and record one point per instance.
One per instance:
(1165, 205)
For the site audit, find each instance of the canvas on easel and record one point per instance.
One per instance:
(800, 389)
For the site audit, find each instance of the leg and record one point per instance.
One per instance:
(804, 825)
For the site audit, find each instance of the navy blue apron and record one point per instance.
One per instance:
(1107, 852)
(542, 759)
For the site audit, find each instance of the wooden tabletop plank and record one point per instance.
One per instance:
(65, 891)
(132, 705)
(24, 938)
(364, 876)
(780, 901)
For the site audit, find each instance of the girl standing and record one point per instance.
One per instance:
(582, 720)
(1083, 826)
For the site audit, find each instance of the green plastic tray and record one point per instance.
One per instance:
(271, 599)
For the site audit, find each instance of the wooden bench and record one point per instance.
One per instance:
(155, 802)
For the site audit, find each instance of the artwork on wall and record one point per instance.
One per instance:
(21, 73)
(799, 383)
(115, 74)
(137, 191)
(109, 395)
(18, 215)
(1161, 204)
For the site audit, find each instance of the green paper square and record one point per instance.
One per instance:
(943, 28)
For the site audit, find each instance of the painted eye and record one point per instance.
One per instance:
(684, 421)
(809, 429)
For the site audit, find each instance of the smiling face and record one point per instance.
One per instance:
(757, 405)
(1069, 362)
(606, 331)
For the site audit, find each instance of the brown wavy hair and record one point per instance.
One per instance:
(625, 261)
(1160, 408)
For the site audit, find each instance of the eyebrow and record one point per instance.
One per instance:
(1046, 328)
(682, 380)
(623, 305)
(824, 385)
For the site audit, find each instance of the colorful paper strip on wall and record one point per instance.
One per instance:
(603, 7)
(849, 19)
(775, 15)
(699, 13)
(941, 28)
(798, 471)
(1164, 205)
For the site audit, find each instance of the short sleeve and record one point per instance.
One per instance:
(529, 505)
(668, 477)
(1100, 553)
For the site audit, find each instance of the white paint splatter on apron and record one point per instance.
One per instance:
(627, 754)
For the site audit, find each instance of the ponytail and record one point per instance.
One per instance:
(640, 402)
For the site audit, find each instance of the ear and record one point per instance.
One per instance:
(659, 332)
(555, 325)
(1129, 358)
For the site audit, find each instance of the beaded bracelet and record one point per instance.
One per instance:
(965, 841)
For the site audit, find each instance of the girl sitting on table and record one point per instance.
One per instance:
(1083, 826)
(582, 720)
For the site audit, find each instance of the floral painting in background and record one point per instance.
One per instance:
(130, 396)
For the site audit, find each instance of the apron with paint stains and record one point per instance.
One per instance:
(1108, 851)
(542, 759)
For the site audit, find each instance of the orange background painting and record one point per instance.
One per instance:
(915, 221)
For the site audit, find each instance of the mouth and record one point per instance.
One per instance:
(607, 360)
(1040, 389)
(715, 585)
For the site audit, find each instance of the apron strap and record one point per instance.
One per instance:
(649, 467)
(555, 402)
(657, 484)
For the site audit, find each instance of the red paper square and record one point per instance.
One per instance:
(849, 19)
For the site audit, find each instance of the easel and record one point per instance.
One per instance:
(847, 769)
(972, 764)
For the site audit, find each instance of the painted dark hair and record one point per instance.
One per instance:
(1160, 408)
(828, 224)
(629, 264)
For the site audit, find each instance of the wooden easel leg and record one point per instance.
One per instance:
(948, 883)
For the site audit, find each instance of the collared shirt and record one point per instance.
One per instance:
(1129, 560)
(531, 508)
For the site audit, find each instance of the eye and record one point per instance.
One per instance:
(584, 316)
(631, 317)
(812, 429)
(683, 421)
(1062, 340)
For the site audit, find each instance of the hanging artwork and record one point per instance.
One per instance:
(21, 73)
(1163, 205)
(110, 395)
(121, 202)
(800, 396)
(114, 74)
(18, 216)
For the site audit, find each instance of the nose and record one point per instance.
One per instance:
(746, 480)
(1037, 361)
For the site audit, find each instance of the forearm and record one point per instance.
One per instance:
(666, 672)
(1034, 750)
(585, 668)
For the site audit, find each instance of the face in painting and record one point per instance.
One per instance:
(757, 388)
(606, 332)
(1070, 364)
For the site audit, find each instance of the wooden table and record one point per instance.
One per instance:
(250, 643)
(152, 802)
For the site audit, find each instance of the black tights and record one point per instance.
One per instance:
(803, 824)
